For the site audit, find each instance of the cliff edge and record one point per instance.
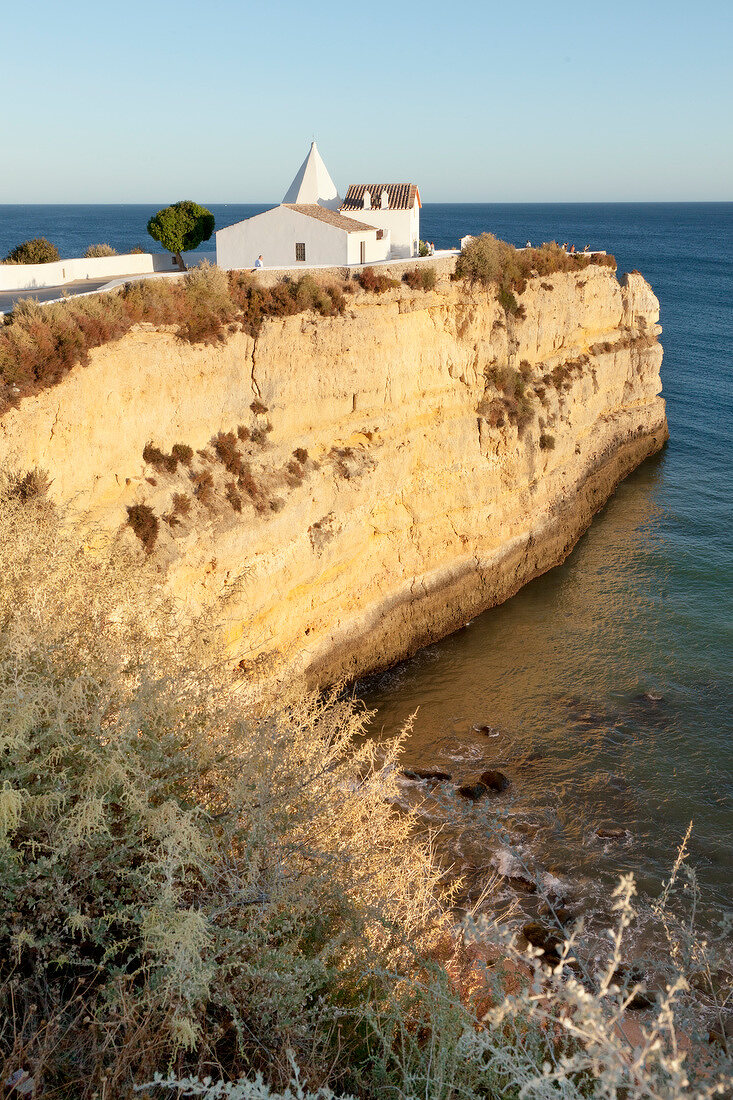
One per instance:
(353, 488)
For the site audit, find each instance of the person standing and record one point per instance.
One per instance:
(259, 263)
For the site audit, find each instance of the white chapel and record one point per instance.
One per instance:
(313, 226)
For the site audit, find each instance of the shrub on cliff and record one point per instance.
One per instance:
(144, 522)
(36, 251)
(421, 278)
(489, 261)
(376, 282)
(97, 251)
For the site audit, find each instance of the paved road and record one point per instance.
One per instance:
(47, 293)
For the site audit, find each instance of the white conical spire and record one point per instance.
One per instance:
(312, 183)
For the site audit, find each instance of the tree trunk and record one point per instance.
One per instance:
(179, 261)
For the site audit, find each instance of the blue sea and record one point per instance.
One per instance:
(607, 683)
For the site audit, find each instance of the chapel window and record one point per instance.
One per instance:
(300, 252)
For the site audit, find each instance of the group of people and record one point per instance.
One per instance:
(565, 248)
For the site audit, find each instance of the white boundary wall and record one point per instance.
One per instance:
(37, 276)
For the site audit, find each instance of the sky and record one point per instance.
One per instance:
(475, 101)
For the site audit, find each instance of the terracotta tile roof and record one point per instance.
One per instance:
(401, 196)
(332, 217)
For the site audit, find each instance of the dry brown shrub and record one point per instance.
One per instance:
(144, 522)
(421, 278)
(32, 485)
(182, 453)
(203, 486)
(233, 496)
(376, 282)
(159, 459)
(228, 453)
(247, 483)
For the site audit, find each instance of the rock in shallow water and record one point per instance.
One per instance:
(472, 791)
(539, 935)
(495, 781)
(489, 782)
(434, 776)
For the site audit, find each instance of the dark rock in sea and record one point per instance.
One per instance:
(521, 884)
(472, 791)
(488, 731)
(491, 781)
(653, 697)
(625, 976)
(430, 776)
(559, 911)
(611, 834)
(540, 935)
(495, 781)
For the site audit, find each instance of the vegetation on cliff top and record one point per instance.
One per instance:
(174, 898)
(489, 261)
(39, 344)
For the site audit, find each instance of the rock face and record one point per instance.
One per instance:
(397, 469)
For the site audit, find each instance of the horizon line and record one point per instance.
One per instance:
(433, 202)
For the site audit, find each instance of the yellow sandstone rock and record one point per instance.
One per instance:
(422, 500)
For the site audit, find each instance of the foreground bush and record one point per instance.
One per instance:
(183, 881)
(204, 882)
(36, 251)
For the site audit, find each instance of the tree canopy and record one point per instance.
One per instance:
(181, 227)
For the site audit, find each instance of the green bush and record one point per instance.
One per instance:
(36, 251)
(424, 249)
(96, 251)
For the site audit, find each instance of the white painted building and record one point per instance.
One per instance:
(392, 207)
(313, 227)
(293, 233)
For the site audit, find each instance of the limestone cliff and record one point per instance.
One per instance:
(396, 469)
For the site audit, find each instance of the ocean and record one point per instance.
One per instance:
(608, 682)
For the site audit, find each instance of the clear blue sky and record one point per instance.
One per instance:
(134, 101)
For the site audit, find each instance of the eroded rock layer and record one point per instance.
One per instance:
(361, 485)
